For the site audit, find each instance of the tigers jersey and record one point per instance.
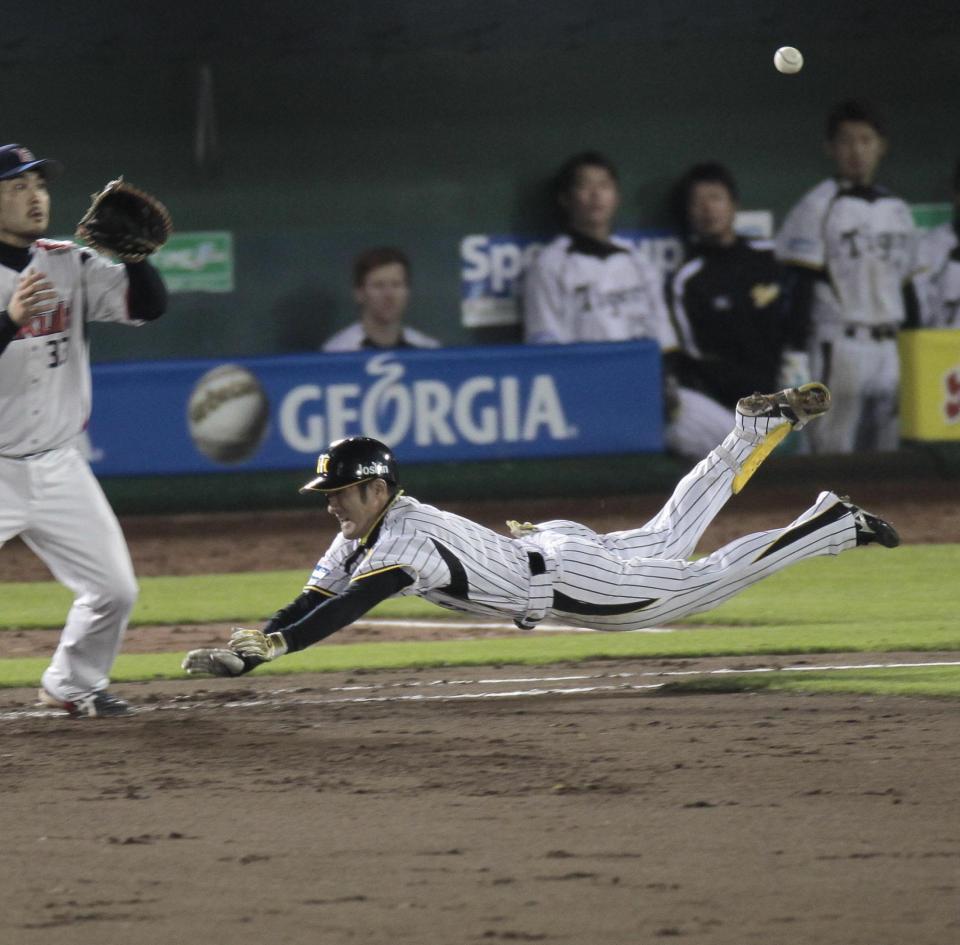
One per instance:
(582, 289)
(623, 580)
(453, 561)
(45, 386)
(938, 282)
(864, 240)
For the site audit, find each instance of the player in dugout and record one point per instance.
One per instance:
(391, 544)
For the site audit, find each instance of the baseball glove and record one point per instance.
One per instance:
(125, 222)
(246, 650)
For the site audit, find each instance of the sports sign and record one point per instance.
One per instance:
(496, 402)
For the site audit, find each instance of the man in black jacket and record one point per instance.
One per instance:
(731, 299)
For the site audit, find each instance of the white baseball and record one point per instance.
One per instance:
(788, 60)
(228, 413)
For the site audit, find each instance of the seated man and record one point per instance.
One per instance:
(381, 287)
(589, 285)
(390, 544)
(730, 299)
(938, 258)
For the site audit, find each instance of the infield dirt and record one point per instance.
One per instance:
(278, 811)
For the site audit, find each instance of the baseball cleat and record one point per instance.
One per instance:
(98, 705)
(870, 528)
(799, 405)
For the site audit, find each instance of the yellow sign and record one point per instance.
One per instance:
(930, 384)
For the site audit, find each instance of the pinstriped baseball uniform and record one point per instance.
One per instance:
(48, 494)
(580, 289)
(624, 580)
(863, 240)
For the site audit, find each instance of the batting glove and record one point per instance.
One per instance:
(216, 662)
(255, 647)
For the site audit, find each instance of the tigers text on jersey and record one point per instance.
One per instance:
(581, 289)
(865, 241)
(938, 282)
(45, 382)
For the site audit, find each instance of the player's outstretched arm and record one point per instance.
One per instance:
(247, 649)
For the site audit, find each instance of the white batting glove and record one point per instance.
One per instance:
(215, 662)
(255, 646)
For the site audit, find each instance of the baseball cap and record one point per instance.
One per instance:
(15, 160)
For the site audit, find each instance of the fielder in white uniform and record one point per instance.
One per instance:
(860, 241)
(390, 544)
(589, 285)
(48, 494)
(938, 261)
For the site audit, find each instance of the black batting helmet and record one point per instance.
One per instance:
(351, 460)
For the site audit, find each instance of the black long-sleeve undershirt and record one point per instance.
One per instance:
(307, 620)
(147, 295)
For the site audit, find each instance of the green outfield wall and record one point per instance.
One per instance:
(329, 127)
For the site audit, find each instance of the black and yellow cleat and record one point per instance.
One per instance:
(799, 405)
(871, 529)
(766, 419)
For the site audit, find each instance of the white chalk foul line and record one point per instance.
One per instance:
(271, 697)
(548, 626)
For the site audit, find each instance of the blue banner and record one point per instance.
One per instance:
(271, 413)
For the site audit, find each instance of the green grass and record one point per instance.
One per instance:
(870, 586)
(205, 598)
(930, 681)
(874, 600)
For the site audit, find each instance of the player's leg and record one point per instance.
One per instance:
(829, 527)
(847, 366)
(651, 592)
(73, 529)
(760, 423)
(14, 498)
(885, 399)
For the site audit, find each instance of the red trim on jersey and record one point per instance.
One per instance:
(49, 323)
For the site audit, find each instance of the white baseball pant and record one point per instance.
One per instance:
(863, 375)
(54, 502)
(601, 576)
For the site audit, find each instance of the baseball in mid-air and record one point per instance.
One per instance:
(788, 60)
(228, 414)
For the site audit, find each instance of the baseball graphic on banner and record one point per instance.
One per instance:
(228, 414)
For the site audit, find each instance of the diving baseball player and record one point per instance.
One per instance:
(589, 285)
(391, 544)
(48, 494)
(858, 243)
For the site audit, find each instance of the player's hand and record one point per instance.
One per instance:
(256, 647)
(33, 295)
(216, 662)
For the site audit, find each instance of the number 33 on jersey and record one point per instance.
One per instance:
(46, 365)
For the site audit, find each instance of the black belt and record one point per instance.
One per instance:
(536, 562)
(876, 332)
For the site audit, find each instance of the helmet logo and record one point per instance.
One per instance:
(373, 469)
(323, 464)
